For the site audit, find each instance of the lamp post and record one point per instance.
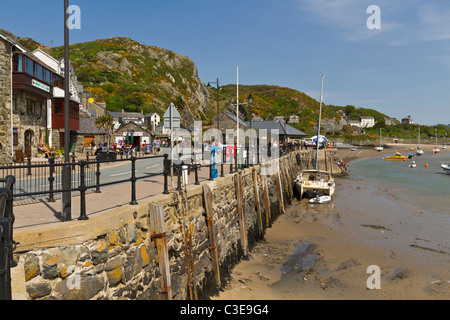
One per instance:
(218, 108)
(66, 175)
(250, 149)
(250, 102)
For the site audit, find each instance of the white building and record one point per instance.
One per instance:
(367, 122)
(152, 121)
(363, 122)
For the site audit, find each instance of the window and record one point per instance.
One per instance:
(15, 137)
(18, 63)
(57, 108)
(39, 72)
(29, 66)
(30, 107)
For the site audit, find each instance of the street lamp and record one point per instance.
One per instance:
(250, 102)
(218, 88)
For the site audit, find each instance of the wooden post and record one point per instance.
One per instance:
(212, 234)
(266, 200)
(241, 213)
(257, 200)
(158, 231)
(279, 193)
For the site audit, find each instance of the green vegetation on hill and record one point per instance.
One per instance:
(271, 101)
(128, 75)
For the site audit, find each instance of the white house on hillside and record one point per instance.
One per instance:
(363, 122)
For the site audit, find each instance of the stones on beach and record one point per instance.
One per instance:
(400, 273)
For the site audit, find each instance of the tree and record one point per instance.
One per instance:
(105, 122)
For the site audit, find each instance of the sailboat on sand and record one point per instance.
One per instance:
(316, 185)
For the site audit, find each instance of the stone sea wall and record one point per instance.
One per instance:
(126, 253)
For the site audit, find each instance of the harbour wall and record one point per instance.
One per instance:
(178, 246)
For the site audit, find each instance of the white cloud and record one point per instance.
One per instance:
(348, 17)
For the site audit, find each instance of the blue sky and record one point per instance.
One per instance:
(401, 69)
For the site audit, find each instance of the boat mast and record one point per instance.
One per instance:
(320, 119)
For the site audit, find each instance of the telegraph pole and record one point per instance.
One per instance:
(66, 176)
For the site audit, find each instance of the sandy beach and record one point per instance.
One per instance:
(326, 252)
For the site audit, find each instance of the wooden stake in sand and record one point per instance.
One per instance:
(158, 231)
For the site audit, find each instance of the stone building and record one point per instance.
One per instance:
(31, 101)
(6, 134)
(26, 85)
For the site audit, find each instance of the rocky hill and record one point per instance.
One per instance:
(128, 75)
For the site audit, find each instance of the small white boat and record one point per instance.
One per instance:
(319, 200)
(436, 149)
(315, 181)
(446, 167)
(413, 165)
(380, 147)
(444, 146)
(419, 150)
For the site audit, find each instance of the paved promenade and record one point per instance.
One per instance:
(43, 212)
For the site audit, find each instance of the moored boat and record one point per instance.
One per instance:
(396, 157)
(446, 167)
(319, 200)
(315, 182)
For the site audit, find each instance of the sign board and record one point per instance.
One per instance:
(41, 86)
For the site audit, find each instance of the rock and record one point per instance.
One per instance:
(39, 290)
(31, 267)
(49, 266)
(400, 273)
(348, 264)
(87, 288)
(99, 253)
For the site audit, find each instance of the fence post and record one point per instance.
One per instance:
(133, 181)
(166, 172)
(224, 158)
(51, 179)
(83, 189)
(197, 183)
(73, 161)
(6, 242)
(98, 174)
(29, 165)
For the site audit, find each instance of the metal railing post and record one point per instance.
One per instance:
(224, 155)
(133, 181)
(29, 165)
(98, 174)
(197, 182)
(166, 173)
(51, 179)
(83, 216)
(6, 238)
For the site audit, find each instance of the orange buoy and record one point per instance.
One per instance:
(426, 165)
(404, 160)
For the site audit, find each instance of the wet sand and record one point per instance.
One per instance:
(323, 252)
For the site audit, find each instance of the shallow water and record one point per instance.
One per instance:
(426, 188)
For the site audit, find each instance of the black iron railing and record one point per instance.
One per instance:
(6, 237)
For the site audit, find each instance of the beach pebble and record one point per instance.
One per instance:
(400, 273)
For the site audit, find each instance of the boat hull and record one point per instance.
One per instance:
(315, 182)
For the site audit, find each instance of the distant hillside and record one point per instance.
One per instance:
(271, 101)
(128, 75)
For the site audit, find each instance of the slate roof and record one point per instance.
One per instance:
(87, 126)
(276, 125)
